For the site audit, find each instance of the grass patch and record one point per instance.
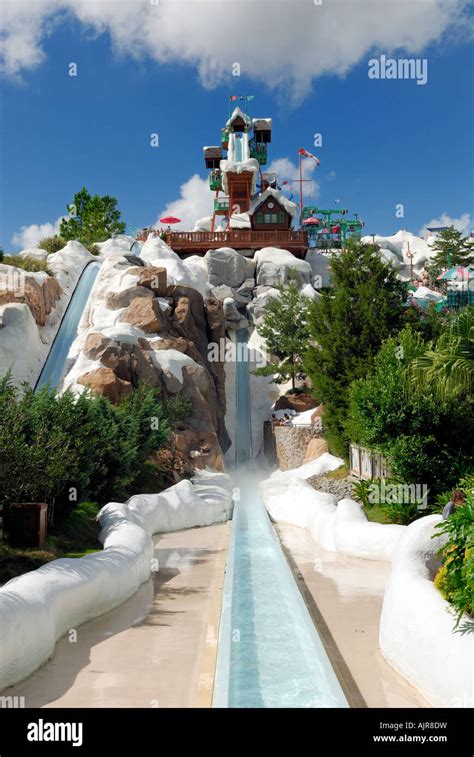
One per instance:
(75, 537)
(339, 473)
(377, 514)
(27, 264)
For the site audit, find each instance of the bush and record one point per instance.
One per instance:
(427, 441)
(94, 249)
(52, 244)
(63, 449)
(455, 579)
(27, 263)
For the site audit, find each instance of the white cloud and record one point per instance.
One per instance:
(288, 171)
(29, 236)
(285, 44)
(195, 201)
(464, 223)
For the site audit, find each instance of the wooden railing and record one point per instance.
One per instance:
(244, 237)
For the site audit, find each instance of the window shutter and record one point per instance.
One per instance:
(281, 218)
(259, 218)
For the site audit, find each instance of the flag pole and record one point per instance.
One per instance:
(301, 190)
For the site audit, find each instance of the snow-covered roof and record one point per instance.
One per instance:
(289, 206)
(231, 166)
(266, 123)
(212, 147)
(238, 112)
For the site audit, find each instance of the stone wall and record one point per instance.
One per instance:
(291, 444)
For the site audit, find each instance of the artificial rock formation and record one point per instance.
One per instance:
(187, 327)
(40, 291)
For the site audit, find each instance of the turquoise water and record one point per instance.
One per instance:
(237, 148)
(270, 654)
(53, 368)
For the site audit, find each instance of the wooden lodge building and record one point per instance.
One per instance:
(254, 212)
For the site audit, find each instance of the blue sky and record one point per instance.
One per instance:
(384, 142)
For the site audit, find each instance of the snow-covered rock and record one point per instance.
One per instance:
(320, 267)
(39, 607)
(190, 272)
(68, 264)
(425, 293)
(233, 317)
(226, 266)
(416, 627)
(274, 266)
(21, 349)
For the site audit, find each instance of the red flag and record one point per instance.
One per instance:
(233, 97)
(307, 154)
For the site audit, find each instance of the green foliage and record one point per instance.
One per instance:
(94, 249)
(362, 490)
(455, 579)
(448, 367)
(427, 441)
(27, 263)
(451, 249)
(177, 410)
(428, 323)
(347, 325)
(52, 244)
(93, 219)
(285, 331)
(399, 509)
(54, 445)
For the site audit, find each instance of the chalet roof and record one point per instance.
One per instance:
(289, 206)
(262, 123)
(238, 112)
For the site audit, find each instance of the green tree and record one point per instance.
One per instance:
(451, 249)
(347, 325)
(284, 328)
(427, 441)
(448, 367)
(93, 219)
(63, 449)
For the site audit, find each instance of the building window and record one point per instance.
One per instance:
(271, 218)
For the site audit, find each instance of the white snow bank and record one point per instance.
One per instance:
(343, 528)
(425, 293)
(36, 609)
(416, 629)
(21, 348)
(190, 272)
(304, 418)
(68, 264)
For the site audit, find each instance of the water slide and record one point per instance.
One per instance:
(239, 149)
(270, 653)
(53, 369)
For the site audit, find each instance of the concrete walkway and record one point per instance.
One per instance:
(148, 652)
(348, 593)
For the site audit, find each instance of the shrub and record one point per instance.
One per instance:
(455, 578)
(94, 249)
(27, 263)
(62, 449)
(52, 244)
(427, 441)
